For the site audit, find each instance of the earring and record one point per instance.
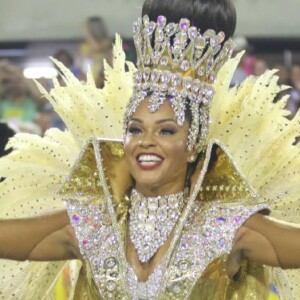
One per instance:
(192, 158)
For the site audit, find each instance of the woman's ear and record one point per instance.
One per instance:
(192, 156)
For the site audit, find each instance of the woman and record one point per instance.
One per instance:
(155, 217)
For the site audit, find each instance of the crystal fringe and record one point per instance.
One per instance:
(152, 220)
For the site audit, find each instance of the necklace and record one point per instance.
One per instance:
(152, 220)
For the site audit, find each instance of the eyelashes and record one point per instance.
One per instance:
(163, 131)
(167, 131)
(134, 130)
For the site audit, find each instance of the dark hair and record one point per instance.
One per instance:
(5, 133)
(97, 28)
(219, 15)
(65, 57)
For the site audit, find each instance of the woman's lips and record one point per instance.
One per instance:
(149, 161)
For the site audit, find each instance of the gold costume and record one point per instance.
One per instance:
(194, 266)
(253, 170)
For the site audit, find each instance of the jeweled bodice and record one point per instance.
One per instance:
(207, 234)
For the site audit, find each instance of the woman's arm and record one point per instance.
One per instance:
(266, 241)
(283, 236)
(47, 237)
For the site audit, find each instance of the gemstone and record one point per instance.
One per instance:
(192, 32)
(146, 74)
(147, 59)
(221, 220)
(153, 204)
(221, 36)
(187, 82)
(88, 220)
(184, 24)
(216, 48)
(221, 243)
(165, 77)
(185, 65)
(176, 79)
(162, 214)
(171, 29)
(143, 213)
(201, 71)
(136, 27)
(237, 219)
(176, 50)
(183, 265)
(210, 62)
(173, 202)
(163, 87)
(140, 224)
(200, 43)
(150, 225)
(150, 29)
(155, 75)
(181, 38)
(161, 21)
(159, 37)
(110, 263)
(75, 218)
(156, 235)
(145, 20)
(162, 201)
(146, 247)
(86, 243)
(198, 54)
(172, 92)
(176, 288)
(196, 86)
(110, 285)
(137, 77)
(209, 33)
(164, 61)
(209, 92)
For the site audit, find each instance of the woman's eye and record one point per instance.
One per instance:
(167, 131)
(134, 130)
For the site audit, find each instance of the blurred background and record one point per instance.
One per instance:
(80, 33)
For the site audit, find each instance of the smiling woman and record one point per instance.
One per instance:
(155, 148)
(178, 208)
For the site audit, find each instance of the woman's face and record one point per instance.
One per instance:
(155, 148)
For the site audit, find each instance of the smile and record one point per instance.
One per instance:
(149, 161)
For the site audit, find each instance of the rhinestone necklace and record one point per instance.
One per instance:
(151, 220)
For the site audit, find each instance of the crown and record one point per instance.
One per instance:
(175, 60)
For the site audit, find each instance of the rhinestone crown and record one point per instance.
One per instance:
(176, 60)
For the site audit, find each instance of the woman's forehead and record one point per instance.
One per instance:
(164, 110)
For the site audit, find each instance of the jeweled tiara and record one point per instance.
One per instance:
(176, 61)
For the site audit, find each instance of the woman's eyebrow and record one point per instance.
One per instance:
(157, 122)
(165, 120)
(136, 120)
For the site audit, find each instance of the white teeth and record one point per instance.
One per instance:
(149, 158)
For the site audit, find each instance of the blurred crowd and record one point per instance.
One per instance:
(23, 108)
(290, 76)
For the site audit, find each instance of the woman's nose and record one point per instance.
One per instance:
(146, 141)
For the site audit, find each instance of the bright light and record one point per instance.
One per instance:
(39, 72)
